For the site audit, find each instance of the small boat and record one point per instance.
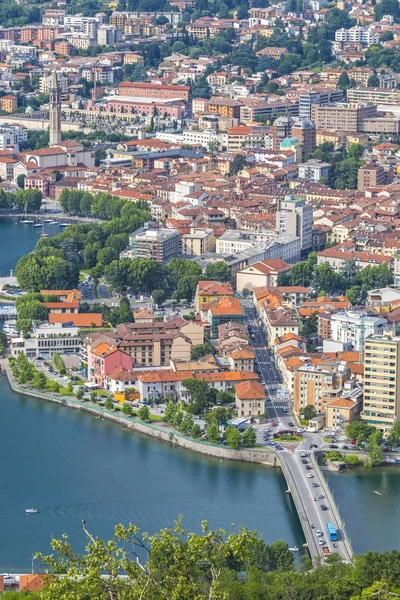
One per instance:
(43, 234)
(376, 492)
(63, 224)
(294, 549)
(25, 220)
(38, 225)
(32, 511)
(47, 220)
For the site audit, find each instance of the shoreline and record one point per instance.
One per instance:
(165, 434)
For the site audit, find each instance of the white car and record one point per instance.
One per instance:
(321, 542)
(319, 534)
(309, 475)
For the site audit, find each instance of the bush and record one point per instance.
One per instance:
(59, 364)
(353, 460)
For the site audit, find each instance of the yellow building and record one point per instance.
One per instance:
(211, 291)
(381, 405)
(8, 103)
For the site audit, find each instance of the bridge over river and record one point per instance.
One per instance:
(300, 482)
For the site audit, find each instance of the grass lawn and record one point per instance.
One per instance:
(78, 381)
(303, 422)
(328, 440)
(288, 438)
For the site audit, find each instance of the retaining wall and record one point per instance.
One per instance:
(163, 433)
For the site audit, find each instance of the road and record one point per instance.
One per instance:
(307, 482)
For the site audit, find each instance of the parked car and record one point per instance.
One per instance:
(304, 461)
(290, 424)
(324, 507)
(313, 446)
(333, 446)
(308, 467)
(274, 424)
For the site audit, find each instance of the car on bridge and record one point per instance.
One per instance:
(309, 475)
(324, 507)
(314, 484)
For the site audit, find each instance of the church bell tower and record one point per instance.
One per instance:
(55, 111)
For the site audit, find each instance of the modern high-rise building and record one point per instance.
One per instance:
(294, 216)
(381, 381)
(55, 111)
(155, 243)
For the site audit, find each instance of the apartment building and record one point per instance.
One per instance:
(352, 327)
(381, 405)
(294, 216)
(314, 170)
(48, 339)
(342, 116)
(372, 95)
(244, 137)
(198, 242)
(316, 385)
(156, 343)
(8, 103)
(154, 90)
(371, 175)
(250, 399)
(363, 35)
(157, 244)
(225, 107)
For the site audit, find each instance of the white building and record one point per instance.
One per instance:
(12, 135)
(45, 84)
(48, 339)
(294, 216)
(313, 170)
(363, 35)
(351, 327)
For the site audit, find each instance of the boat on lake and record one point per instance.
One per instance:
(32, 511)
(63, 224)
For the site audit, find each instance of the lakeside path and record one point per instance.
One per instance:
(161, 431)
(56, 216)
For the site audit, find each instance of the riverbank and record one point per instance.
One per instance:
(55, 216)
(161, 432)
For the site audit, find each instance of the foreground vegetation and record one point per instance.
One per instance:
(175, 564)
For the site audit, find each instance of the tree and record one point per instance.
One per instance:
(70, 387)
(237, 164)
(249, 437)
(232, 437)
(201, 350)
(144, 413)
(196, 431)
(175, 564)
(186, 425)
(375, 449)
(218, 271)
(20, 181)
(93, 397)
(39, 380)
(159, 296)
(108, 404)
(280, 557)
(353, 294)
(343, 81)
(308, 412)
(170, 412)
(201, 394)
(127, 409)
(359, 431)
(213, 433)
(80, 393)
(373, 81)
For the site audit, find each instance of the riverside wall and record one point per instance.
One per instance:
(161, 432)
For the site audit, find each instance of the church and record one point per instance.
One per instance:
(61, 155)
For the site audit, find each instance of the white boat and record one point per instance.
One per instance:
(25, 220)
(379, 494)
(294, 549)
(53, 223)
(47, 220)
(32, 511)
(38, 225)
(63, 224)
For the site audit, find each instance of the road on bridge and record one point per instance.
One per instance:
(293, 455)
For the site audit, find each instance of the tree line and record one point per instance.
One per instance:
(177, 564)
(31, 199)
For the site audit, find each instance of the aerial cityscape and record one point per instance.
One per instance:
(200, 299)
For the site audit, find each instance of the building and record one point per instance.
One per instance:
(107, 35)
(381, 406)
(48, 339)
(222, 311)
(208, 292)
(198, 242)
(12, 135)
(342, 116)
(46, 82)
(104, 359)
(250, 399)
(154, 90)
(155, 243)
(371, 175)
(372, 95)
(353, 327)
(314, 170)
(294, 216)
(316, 385)
(263, 273)
(55, 111)
(8, 103)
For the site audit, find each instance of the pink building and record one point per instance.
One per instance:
(105, 359)
(44, 182)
